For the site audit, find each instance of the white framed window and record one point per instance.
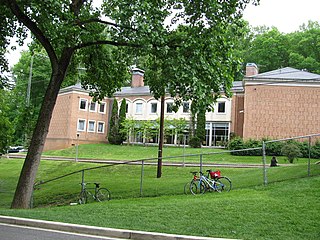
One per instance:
(91, 126)
(81, 126)
(139, 108)
(169, 107)
(102, 107)
(100, 127)
(185, 107)
(154, 107)
(93, 106)
(83, 104)
(221, 107)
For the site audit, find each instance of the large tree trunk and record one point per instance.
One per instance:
(29, 170)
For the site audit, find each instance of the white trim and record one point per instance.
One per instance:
(86, 105)
(94, 126)
(103, 126)
(105, 106)
(135, 110)
(95, 106)
(225, 108)
(85, 123)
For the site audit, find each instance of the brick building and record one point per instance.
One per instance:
(281, 103)
(277, 104)
(77, 119)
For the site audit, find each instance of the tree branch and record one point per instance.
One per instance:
(107, 42)
(32, 26)
(97, 20)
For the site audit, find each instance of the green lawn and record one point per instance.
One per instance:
(283, 210)
(125, 152)
(288, 208)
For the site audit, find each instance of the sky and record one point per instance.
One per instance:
(286, 15)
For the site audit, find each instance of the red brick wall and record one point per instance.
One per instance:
(281, 111)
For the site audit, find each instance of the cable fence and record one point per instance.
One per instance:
(133, 179)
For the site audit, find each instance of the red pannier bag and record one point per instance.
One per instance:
(215, 174)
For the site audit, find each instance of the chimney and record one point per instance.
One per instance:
(251, 69)
(137, 77)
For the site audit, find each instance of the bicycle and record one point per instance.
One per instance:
(99, 195)
(202, 184)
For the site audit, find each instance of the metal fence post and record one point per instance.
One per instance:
(141, 178)
(309, 161)
(265, 180)
(200, 162)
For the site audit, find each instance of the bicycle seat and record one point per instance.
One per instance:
(208, 170)
(194, 173)
(97, 185)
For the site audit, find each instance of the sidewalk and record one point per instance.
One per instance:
(98, 231)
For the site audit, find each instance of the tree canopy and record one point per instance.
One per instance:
(189, 45)
(271, 49)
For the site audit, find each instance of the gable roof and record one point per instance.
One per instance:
(286, 73)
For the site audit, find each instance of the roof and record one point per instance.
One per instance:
(286, 73)
(137, 91)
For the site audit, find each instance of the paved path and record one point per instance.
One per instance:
(59, 229)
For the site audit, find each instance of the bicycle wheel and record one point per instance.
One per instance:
(197, 187)
(83, 197)
(187, 188)
(103, 195)
(223, 184)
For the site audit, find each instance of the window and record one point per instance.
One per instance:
(185, 107)
(93, 106)
(83, 104)
(221, 107)
(169, 107)
(138, 108)
(127, 107)
(91, 126)
(102, 107)
(100, 127)
(154, 107)
(81, 125)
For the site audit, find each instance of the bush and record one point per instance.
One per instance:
(315, 150)
(291, 150)
(251, 143)
(274, 148)
(236, 144)
(195, 142)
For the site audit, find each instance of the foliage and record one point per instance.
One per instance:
(201, 126)
(190, 47)
(195, 142)
(271, 49)
(114, 136)
(291, 151)
(122, 118)
(5, 124)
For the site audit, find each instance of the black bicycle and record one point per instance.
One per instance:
(99, 194)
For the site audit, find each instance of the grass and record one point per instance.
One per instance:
(288, 208)
(282, 210)
(125, 152)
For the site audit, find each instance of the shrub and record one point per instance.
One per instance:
(291, 150)
(235, 144)
(315, 150)
(251, 143)
(195, 142)
(274, 148)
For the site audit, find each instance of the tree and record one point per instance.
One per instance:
(122, 118)
(5, 125)
(75, 30)
(114, 135)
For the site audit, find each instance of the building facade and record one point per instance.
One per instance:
(280, 104)
(77, 119)
(276, 104)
